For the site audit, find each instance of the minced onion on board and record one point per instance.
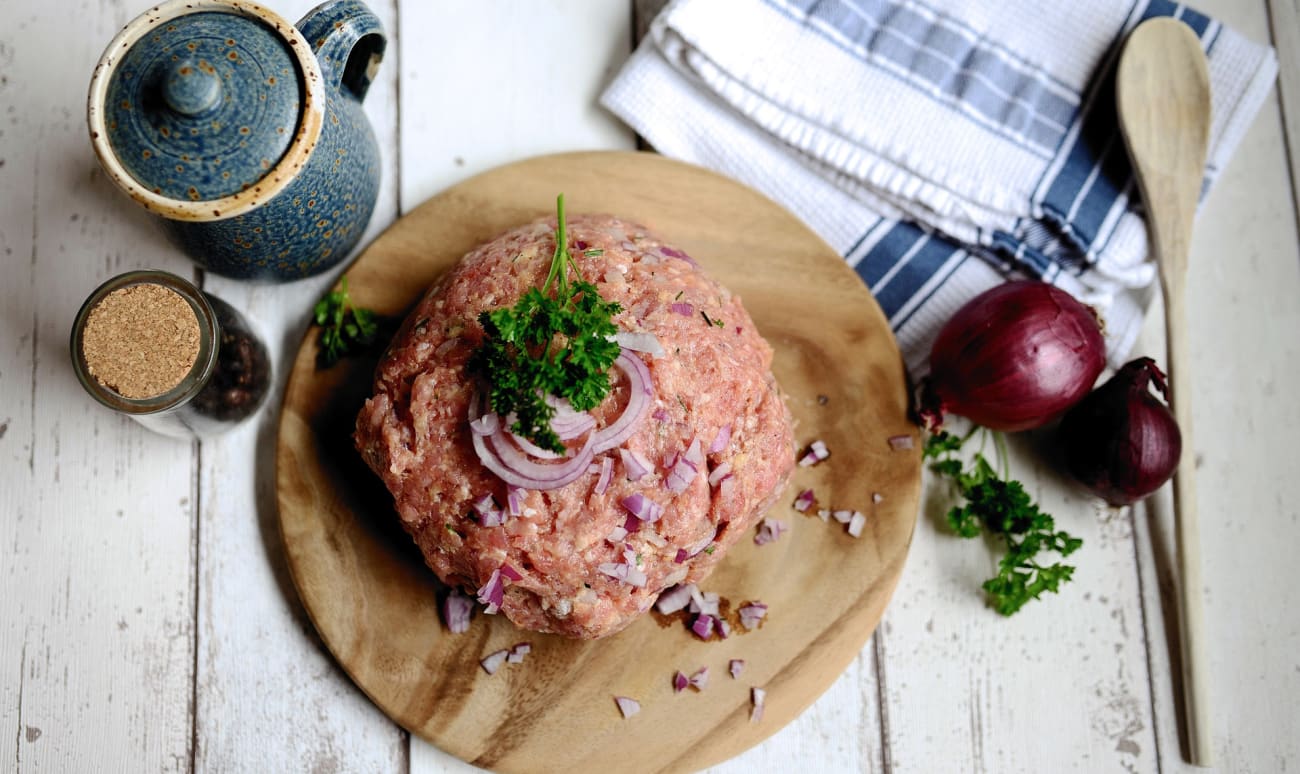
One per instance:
(627, 706)
(493, 661)
(757, 697)
(735, 667)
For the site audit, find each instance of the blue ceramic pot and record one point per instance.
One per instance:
(244, 132)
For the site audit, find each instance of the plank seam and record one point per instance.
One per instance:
(878, 645)
(1286, 117)
(196, 503)
(18, 735)
(1146, 636)
(36, 197)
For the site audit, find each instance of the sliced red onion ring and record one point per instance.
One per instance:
(533, 450)
(501, 457)
(719, 473)
(735, 667)
(817, 452)
(700, 679)
(751, 614)
(640, 342)
(493, 661)
(642, 507)
(486, 424)
(897, 442)
(804, 501)
(721, 440)
(638, 403)
(680, 682)
(627, 706)
(457, 609)
(856, 523)
(674, 599)
(757, 697)
(635, 466)
(682, 308)
(606, 472)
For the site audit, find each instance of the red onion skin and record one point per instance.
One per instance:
(1122, 442)
(1014, 358)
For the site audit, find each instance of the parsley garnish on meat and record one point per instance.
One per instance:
(1001, 507)
(345, 327)
(557, 340)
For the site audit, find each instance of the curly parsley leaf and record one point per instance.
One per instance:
(1003, 508)
(557, 340)
(345, 328)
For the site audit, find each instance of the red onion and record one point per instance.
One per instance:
(1122, 442)
(509, 572)
(842, 516)
(757, 697)
(682, 308)
(672, 253)
(704, 602)
(640, 342)
(680, 476)
(724, 628)
(456, 611)
(660, 415)
(682, 556)
(674, 599)
(518, 652)
(900, 442)
(703, 626)
(719, 473)
(638, 403)
(533, 450)
(735, 666)
(634, 464)
(817, 452)
(1014, 358)
(486, 424)
(721, 440)
(700, 679)
(628, 707)
(751, 614)
(642, 507)
(824, 514)
(606, 471)
(492, 593)
(856, 523)
(804, 501)
(680, 682)
(493, 661)
(769, 530)
(515, 500)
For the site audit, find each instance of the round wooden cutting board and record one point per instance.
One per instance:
(366, 588)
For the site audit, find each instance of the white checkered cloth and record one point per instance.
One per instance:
(939, 147)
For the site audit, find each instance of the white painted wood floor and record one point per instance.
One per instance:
(148, 622)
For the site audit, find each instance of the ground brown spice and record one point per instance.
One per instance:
(140, 341)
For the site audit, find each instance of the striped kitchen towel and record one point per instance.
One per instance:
(940, 147)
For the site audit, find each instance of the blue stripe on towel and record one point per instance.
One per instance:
(932, 52)
(902, 263)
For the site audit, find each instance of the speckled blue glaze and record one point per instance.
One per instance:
(204, 106)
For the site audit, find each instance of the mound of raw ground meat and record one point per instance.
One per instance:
(414, 432)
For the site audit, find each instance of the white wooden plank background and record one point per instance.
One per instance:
(148, 621)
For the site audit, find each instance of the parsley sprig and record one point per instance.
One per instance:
(345, 327)
(557, 340)
(1000, 506)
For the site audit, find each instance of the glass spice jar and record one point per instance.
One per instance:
(179, 361)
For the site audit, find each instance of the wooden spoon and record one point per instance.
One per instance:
(1163, 93)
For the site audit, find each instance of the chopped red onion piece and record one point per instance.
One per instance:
(642, 507)
(486, 424)
(856, 523)
(660, 415)
(628, 707)
(724, 628)
(672, 253)
(751, 614)
(670, 459)
(654, 538)
(682, 308)
(640, 342)
(721, 440)
(623, 571)
(736, 666)
(606, 472)
(638, 403)
(824, 514)
(694, 453)
(842, 516)
(706, 602)
(493, 661)
(674, 599)
(616, 534)
(719, 473)
(484, 505)
(817, 452)
(456, 611)
(682, 556)
(757, 697)
(703, 626)
(769, 530)
(680, 682)
(877, 498)
(700, 679)
(509, 572)
(515, 500)
(680, 476)
(492, 593)
(635, 576)
(518, 652)
(804, 501)
(635, 466)
(726, 486)
(738, 330)
(897, 442)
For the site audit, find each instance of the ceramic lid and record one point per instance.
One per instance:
(198, 101)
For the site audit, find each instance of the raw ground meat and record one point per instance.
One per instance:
(414, 432)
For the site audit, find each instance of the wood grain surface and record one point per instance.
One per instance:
(374, 603)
